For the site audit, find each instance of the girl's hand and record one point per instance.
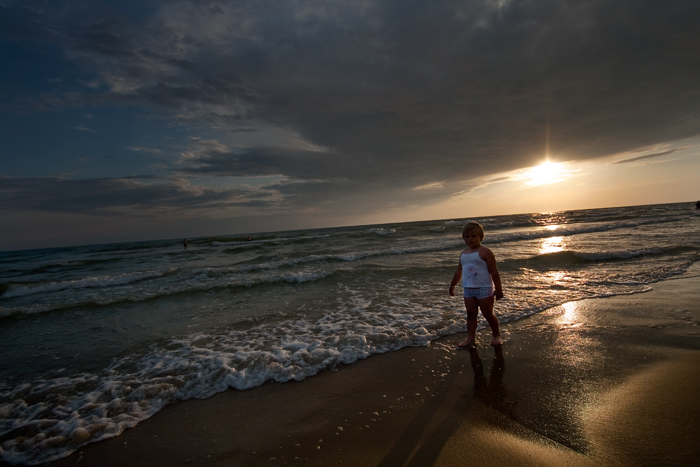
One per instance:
(452, 291)
(499, 294)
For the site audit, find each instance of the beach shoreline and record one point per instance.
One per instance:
(608, 381)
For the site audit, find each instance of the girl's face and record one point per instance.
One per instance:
(472, 239)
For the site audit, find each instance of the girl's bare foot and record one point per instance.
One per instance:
(496, 341)
(466, 344)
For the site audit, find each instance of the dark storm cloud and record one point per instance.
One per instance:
(397, 94)
(110, 195)
(211, 158)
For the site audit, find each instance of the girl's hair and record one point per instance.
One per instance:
(473, 227)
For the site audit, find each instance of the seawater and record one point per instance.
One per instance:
(95, 339)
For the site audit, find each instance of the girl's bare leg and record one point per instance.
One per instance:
(472, 307)
(486, 305)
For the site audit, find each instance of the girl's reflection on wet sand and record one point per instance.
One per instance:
(491, 391)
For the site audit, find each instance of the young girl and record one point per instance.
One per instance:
(478, 271)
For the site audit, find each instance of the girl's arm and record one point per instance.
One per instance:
(488, 256)
(455, 279)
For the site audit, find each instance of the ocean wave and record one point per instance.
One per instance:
(381, 231)
(275, 240)
(349, 256)
(126, 247)
(574, 229)
(189, 285)
(426, 246)
(571, 219)
(20, 290)
(567, 257)
(58, 267)
(614, 255)
(236, 243)
(209, 278)
(592, 283)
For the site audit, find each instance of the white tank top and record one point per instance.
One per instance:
(475, 273)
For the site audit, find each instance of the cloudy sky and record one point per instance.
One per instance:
(142, 119)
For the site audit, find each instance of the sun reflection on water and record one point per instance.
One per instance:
(555, 277)
(570, 313)
(552, 245)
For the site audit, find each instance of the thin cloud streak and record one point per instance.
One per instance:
(650, 156)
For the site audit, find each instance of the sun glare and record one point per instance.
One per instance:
(552, 245)
(546, 173)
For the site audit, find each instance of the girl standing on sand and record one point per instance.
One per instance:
(478, 271)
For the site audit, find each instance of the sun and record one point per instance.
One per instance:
(545, 174)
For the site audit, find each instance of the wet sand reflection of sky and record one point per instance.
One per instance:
(573, 341)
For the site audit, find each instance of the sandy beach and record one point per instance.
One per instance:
(596, 382)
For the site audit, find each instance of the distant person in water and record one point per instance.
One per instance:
(479, 274)
(697, 206)
(184, 243)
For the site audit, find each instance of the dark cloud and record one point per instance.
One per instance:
(212, 159)
(384, 96)
(135, 195)
(140, 196)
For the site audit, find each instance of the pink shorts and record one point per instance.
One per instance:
(478, 292)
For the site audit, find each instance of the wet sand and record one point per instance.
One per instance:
(612, 382)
